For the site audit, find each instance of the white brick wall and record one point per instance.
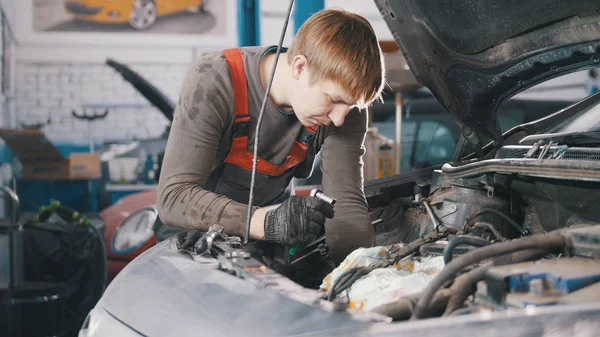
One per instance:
(52, 90)
(8, 6)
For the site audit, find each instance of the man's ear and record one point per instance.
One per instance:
(298, 65)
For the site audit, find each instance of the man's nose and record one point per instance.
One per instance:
(338, 115)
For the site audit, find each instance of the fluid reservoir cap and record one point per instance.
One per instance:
(293, 251)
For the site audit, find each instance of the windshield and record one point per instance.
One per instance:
(587, 120)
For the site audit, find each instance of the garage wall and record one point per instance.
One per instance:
(56, 73)
(368, 9)
(54, 76)
(7, 48)
(8, 7)
(51, 87)
(273, 16)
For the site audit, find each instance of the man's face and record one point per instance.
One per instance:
(319, 103)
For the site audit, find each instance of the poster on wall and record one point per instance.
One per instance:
(128, 22)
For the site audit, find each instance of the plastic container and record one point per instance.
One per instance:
(379, 155)
(149, 170)
(123, 170)
(386, 160)
(371, 156)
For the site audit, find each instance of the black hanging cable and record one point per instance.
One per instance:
(260, 117)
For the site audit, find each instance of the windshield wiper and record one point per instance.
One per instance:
(565, 138)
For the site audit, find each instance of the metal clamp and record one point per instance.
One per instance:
(205, 242)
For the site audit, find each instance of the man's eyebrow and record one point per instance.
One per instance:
(339, 98)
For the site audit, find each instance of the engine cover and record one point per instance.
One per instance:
(544, 282)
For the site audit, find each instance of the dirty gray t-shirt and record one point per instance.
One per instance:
(200, 139)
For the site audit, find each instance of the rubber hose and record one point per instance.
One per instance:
(548, 241)
(466, 284)
(488, 226)
(355, 277)
(462, 240)
(340, 280)
(402, 309)
(503, 216)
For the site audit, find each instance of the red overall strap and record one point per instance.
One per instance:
(239, 154)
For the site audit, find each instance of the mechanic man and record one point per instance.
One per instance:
(322, 84)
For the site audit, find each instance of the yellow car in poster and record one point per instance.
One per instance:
(140, 14)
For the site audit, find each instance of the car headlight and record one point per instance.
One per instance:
(135, 230)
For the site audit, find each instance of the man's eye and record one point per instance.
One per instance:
(334, 101)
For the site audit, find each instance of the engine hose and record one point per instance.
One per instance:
(547, 242)
(464, 285)
(342, 279)
(402, 309)
(488, 226)
(462, 240)
(355, 277)
(454, 297)
(500, 214)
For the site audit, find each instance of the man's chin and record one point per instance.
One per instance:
(308, 124)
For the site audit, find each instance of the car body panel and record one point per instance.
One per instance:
(192, 295)
(167, 293)
(474, 54)
(100, 10)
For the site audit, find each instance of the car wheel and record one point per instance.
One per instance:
(143, 14)
(205, 7)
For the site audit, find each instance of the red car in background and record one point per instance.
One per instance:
(128, 230)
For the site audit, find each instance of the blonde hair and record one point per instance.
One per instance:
(342, 47)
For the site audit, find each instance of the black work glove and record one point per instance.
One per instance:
(298, 220)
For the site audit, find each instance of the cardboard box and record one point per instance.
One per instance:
(41, 160)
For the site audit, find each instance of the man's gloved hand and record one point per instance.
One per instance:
(297, 220)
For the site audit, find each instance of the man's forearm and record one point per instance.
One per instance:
(189, 206)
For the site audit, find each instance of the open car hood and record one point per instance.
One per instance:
(474, 54)
(149, 91)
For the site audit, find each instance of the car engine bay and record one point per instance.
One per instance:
(515, 231)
